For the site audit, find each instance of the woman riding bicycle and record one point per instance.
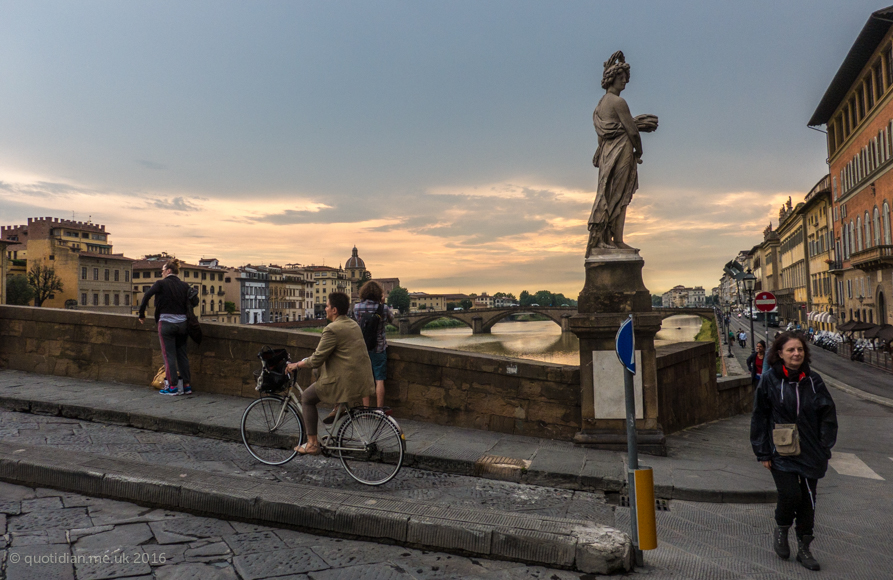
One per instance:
(346, 373)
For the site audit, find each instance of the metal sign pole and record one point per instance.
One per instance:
(633, 452)
(626, 352)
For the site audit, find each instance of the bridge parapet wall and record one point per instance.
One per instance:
(434, 385)
(688, 391)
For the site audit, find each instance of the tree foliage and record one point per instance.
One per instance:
(399, 298)
(466, 304)
(229, 307)
(44, 282)
(545, 298)
(18, 291)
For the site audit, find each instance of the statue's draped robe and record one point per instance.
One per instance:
(618, 176)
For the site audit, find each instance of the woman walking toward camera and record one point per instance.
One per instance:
(792, 431)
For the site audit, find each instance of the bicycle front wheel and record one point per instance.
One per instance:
(370, 447)
(271, 429)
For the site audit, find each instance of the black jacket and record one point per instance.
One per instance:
(752, 365)
(776, 400)
(171, 297)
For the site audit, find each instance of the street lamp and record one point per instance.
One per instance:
(749, 281)
(728, 327)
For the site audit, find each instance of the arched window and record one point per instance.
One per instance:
(877, 227)
(212, 306)
(846, 243)
(204, 302)
(220, 305)
(867, 231)
(858, 236)
(887, 237)
(852, 238)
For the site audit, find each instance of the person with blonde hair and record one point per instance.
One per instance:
(171, 307)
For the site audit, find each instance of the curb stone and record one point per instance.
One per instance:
(589, 477)
(547, 541)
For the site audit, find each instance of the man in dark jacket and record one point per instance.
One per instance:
(790, 393)
(171, 307)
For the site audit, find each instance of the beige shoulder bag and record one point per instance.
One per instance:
(785, 435)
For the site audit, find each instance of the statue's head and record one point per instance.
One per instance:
(614, 66)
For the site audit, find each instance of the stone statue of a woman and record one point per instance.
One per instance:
(619, 152)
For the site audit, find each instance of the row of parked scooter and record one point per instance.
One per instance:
(832, 341)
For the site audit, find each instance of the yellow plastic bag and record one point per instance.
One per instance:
(158, 381)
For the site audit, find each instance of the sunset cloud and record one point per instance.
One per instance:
(507, 236)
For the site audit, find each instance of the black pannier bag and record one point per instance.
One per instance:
(272, 378)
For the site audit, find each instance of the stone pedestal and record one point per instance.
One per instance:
(613, 290)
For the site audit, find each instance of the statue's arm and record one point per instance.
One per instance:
(629, 124)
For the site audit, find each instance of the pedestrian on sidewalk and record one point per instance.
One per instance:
(371, 312)
(755, 362)
(742, 339)
(171, 306)
(792, 431)
(346, 373)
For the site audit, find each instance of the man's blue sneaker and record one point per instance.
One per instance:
(170, 391)
(187, 390)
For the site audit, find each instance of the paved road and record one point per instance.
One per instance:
(855, 374)
(697, 540)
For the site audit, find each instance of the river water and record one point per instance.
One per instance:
(536, 340)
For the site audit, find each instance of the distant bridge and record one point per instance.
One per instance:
(481, 320)
(665, 313)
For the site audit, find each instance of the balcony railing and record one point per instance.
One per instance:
(873, 258)
(834, 265)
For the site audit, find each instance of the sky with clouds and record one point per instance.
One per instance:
(451, 142)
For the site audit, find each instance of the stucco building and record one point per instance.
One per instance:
(857, 111)
(208, 277)
(93, 278)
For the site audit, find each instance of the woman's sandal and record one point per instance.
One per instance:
(306, 449)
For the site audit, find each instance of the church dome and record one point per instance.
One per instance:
(355, 262)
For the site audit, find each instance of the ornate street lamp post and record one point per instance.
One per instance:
(749, 281)
(728, 327)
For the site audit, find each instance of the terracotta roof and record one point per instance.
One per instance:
(154, 264)
(105, 256)
(355, 261)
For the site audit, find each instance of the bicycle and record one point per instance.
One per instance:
(369, 443)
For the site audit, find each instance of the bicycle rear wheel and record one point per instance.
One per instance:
(271, 433)
(371, 447)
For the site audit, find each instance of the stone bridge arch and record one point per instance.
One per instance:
(415, 324)
(558, 317)
(481, 320)
(705, 313)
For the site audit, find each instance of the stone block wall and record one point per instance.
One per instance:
(434, 385)
(688, 392)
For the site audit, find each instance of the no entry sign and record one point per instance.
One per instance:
(765, 301)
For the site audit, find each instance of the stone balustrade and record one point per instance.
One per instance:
(428, 384)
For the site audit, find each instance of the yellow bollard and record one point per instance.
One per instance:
(645, 512)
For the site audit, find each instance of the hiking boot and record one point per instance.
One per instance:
(780, 542)
(804, 556)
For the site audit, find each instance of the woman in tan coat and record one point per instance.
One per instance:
(346, 371)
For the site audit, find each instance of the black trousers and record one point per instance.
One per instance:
(173, 350)
(796, 500)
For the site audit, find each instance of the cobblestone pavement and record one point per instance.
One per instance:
(697, 540)
(58, 536)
